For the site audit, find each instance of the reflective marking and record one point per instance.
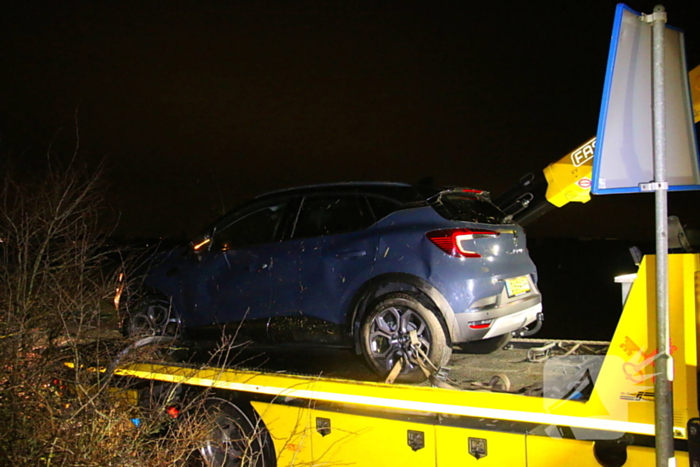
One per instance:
(479, 412)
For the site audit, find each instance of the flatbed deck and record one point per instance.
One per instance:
(520, 367)
(467, 371)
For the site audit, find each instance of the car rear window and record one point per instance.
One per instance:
(468, 208)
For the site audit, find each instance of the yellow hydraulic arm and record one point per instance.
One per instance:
(566, 180)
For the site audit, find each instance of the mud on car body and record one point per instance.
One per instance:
(398, 272)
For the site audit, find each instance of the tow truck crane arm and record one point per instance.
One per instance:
(566, 180)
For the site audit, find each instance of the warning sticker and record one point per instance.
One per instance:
(584, 183)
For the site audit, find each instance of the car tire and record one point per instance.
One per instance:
(151, 316)
(486, 346)
(234, 436)
(385, 337)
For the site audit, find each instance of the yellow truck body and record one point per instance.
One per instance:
(321, 421)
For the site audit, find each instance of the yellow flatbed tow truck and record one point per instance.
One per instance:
(595, 409)
(589, 410)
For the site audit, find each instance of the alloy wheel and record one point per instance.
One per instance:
(390, 337)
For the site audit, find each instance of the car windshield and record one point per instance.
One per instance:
(468, 207)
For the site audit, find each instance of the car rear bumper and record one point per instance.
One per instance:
(514, 322)
(500, 320)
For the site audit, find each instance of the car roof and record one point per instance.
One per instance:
(402, 192)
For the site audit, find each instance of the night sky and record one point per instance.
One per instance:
(197, 106)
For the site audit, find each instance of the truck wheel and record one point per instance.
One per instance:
(151, 316)
(385, 337)
(236, 437)
(486, 346)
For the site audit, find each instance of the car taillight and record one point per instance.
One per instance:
(450, 240)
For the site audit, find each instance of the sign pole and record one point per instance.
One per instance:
(646, 143)
(663, 389)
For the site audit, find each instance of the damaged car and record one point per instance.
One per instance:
(400, 273)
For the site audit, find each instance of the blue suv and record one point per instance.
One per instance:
(398, 272)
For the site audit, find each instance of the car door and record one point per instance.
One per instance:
(317, 271)
(232, 281)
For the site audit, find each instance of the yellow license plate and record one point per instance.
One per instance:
(517, 286)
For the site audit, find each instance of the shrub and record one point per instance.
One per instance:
(56, 286)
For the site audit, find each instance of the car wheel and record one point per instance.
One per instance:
(234, 437)
(151, 316)
(486, 346)
(386, 337)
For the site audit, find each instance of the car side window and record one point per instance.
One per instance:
(332, 214)
(251, 228)
(382, 207)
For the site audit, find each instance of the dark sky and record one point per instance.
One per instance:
(197, 106)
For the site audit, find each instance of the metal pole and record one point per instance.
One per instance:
(663, 387)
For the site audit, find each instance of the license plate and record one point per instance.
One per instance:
(517, 286)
